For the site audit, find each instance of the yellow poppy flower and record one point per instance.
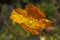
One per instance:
(31, 18)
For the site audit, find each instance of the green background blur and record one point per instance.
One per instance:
(12, 31)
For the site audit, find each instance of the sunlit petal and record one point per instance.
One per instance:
(31, 18)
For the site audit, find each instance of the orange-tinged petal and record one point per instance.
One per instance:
(34, 12)
(34, 31)
(25, 27)
(45, 21)
(21, 12)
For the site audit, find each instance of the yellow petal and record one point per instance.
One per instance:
(21, 12)
(18, 18)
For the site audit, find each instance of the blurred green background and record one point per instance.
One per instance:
(12, 31)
